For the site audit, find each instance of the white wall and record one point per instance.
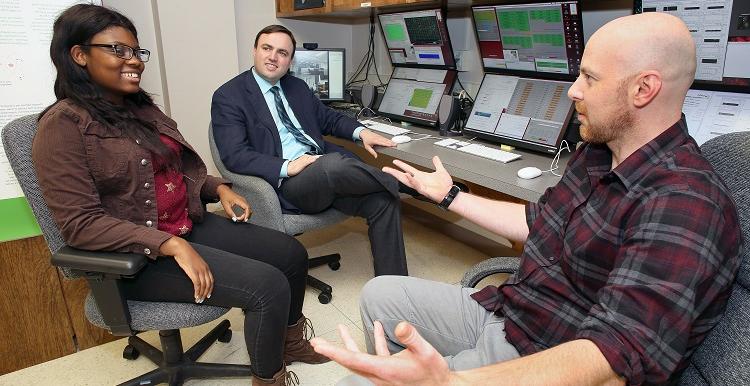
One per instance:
(362, 32)
(140, 12)
(464, 42)
(199, 44)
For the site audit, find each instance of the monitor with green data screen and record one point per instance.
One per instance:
(536, 39)
(413, 94)
(417, 39)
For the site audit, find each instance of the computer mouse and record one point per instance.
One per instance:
(529, 172)
(401, 139)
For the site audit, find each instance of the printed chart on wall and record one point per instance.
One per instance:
(26, 79)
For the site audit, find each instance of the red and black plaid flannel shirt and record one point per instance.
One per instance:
(640, 259)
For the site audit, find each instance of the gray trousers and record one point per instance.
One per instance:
(460, 329)
(356, 189)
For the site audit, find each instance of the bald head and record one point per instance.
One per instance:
(650, 41)
(635, 72)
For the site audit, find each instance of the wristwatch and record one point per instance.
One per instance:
(452, 193)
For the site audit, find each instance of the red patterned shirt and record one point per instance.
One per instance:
(171, 194)
(640, 259)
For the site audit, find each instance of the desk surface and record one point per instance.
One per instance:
(481, 171)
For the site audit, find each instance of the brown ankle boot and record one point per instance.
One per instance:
(281, 378)
(297, 346)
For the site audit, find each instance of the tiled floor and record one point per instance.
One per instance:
(430, 255)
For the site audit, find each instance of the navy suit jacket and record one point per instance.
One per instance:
(247, 137)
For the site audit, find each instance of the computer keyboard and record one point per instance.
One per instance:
(479, 150)
(489, 152)
(383, 127)
(351, 113)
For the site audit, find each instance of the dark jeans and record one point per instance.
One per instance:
(260, 270)
(356, 189)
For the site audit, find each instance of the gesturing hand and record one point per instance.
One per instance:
(418, 364)
(193, 265)
(229, 198)
(299, 164)
(370, 139)
(433, 185)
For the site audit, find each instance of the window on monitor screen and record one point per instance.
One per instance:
(417, 38)
(323, 70)
(524, 112)
(531, 39)
(413, 94)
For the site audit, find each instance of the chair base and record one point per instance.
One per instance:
(326, 292)
(176, 366)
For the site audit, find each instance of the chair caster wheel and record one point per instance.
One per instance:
(325, 297)
(226, 336)
(334, 265)
(130, 353)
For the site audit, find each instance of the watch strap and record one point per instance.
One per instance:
(452, 193)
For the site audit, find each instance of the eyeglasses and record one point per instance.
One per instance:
(124, 52)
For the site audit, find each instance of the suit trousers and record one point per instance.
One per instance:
(260, 270)
(356, 189)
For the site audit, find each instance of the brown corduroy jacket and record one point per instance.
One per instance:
(99, 184)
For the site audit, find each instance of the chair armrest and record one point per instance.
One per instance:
(262, 199)
(124, 264)
(102, 271)
(490, 267)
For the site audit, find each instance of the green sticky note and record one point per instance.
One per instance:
(395, 32)
(17, 220)
(420, 98)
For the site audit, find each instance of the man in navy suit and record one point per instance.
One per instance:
(269, 124)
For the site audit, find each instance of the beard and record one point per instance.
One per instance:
(616, 125)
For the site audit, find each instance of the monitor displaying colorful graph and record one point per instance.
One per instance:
(532, 39)
(413, 94)
(417, 39)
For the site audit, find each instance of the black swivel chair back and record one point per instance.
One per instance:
(105, 305)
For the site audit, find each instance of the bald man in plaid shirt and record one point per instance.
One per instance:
(628, 261)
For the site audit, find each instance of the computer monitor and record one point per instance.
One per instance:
(721, 30)
(417, 39)
(413, 94)
(523, 112)
(710, 114)
(542, 40)
(323, 69)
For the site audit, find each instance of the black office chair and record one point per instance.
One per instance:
(105, 306)
(267, 213)
(723, 358)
